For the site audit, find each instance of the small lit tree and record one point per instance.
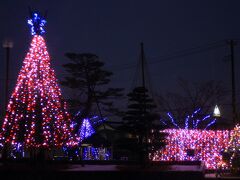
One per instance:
(86, 129)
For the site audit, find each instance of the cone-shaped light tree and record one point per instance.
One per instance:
(86, 129)
(36, 114)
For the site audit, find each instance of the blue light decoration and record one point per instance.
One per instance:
(17, 151)
(85, 153)
(95, 120)
(173, 121)
(92, 153)
(194, 123)
(211, 123)
(86, 129)
(95, 153)
(190, 119)
(186, 122)
(206, 117)
(163, 122)
(107, 155)
(37, 23)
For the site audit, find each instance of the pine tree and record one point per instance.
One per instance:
(88, 79)
(140, 111)
(36, 115)
(140, 122)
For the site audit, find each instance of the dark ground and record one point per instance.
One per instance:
(117, 170)
(25, 171)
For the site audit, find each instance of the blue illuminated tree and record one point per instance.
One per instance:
(86, 129)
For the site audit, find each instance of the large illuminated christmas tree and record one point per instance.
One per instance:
(36, 115)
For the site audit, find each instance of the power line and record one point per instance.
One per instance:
(176, 55)
(171, 56)
(185, 54)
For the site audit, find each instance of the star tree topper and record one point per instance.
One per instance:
(37, 22)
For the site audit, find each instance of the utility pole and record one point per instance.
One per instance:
(142, 63)
(145, 155)
(7, 45)
(232, 43)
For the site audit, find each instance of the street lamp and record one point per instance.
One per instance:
(216, 112)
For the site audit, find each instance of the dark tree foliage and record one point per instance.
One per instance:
(139, 116)
(87, 78)
(140, 121)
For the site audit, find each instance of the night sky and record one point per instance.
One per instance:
(114, 29)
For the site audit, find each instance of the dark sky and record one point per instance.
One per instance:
(114, 29)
